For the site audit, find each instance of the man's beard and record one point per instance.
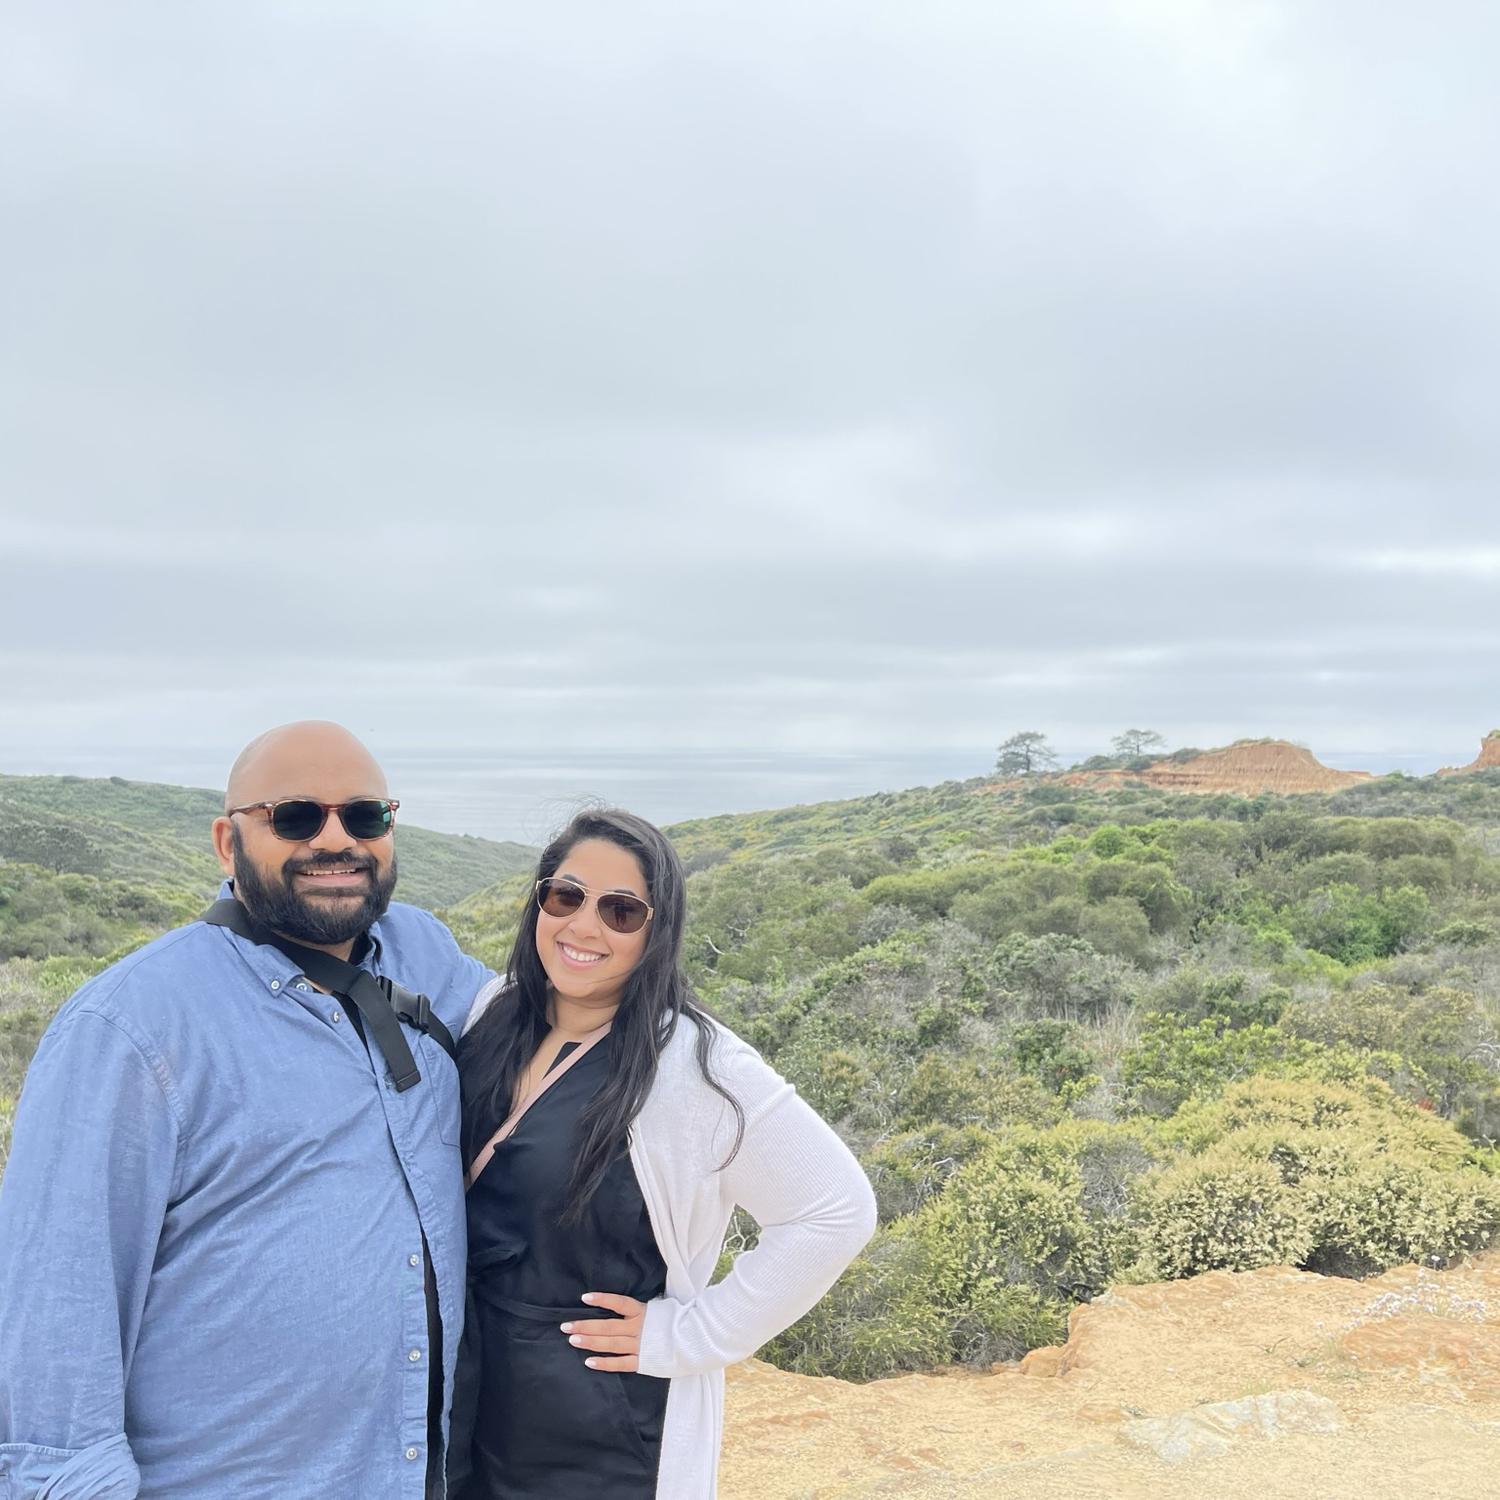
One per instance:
(278, 906)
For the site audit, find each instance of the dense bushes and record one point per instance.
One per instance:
(1222, 1211)
(982, 1271)
(1075, 1037)
(1355, 926)
(1337, 1179)
(1174, 1062)
(1327, 1176)
(45, 914)
(1117, 1037)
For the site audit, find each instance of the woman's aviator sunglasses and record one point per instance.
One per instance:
(617, 910)
(298, 819)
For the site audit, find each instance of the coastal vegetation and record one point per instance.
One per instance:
(1082, 1035)
(1079, 1033)
(91, 869)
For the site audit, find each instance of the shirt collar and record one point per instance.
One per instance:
(272, 967)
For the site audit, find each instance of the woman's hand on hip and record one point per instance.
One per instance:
(617, 1340)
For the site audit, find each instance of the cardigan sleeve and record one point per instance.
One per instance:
(815, 1209)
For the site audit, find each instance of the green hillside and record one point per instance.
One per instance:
(1082, 1036)
(90, 869)
(1076, 1036)
(155, 835)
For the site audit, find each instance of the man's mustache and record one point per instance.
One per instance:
(328, 861)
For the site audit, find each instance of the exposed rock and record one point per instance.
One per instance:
(1429, 1330)
(1488, 758)
(1213, 1428)
(1250, 767)
(1245, 768)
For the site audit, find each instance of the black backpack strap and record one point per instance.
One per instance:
(417, 1011)
(375, 999)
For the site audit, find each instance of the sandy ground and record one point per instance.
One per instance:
(1375, 1389)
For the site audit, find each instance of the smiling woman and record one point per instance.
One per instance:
(629, 1124)
(591, 922)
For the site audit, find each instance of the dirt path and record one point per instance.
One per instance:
(1277, 1384)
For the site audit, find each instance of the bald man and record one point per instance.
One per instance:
(231, 1224)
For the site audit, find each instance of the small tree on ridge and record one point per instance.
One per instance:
(1138, 742)
(1025, 753)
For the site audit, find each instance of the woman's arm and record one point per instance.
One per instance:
(815, 1209)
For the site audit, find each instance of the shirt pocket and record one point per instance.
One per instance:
(440, 1077)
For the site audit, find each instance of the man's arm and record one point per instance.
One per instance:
(432, 962)
(92, 1165)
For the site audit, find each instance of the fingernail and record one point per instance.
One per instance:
(566, 1327)
(593, 1364)
(587, 1297)
(576, 1339)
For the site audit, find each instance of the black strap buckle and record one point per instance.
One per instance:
(382, 1003)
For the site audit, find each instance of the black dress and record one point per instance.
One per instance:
(546, 1427)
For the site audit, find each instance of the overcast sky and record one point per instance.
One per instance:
(805, 377)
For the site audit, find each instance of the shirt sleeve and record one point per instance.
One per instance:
(452, 979)
(92, 1164)
(815, 1209)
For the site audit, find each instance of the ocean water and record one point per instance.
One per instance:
(527, 795)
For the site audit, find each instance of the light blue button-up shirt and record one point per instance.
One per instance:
(211, 1227)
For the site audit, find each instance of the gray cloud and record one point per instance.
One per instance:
(845, 378)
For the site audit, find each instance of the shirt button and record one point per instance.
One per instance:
(414, 1355)
(411, 1452)
(275, 984)
(414, 1260)
(300, 985)
(337, 1017)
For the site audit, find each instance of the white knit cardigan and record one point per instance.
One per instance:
(792, 1174)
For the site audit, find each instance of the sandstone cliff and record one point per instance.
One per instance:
(1488, 758)
(1266, 1385)
(1246, 768)
(1249, 767)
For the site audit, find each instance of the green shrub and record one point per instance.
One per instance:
(932, 892)
(1117, 925)
(881, 1317)
(911, 1167)
(1028, 1222)
(1347, 1180)
(1008, 1230)
(31, 990)
(1218, 1212)
(46, 914)
(1109, 841)
(1195, 993)
(1366, 1106)
(1057, 977)
(966, 1091)
(1463, 933)
(1438, 1032)
(1017, 1214)
(1053, 1052)
(1001, 1321)
(1172, 1063)
(833, 1082)
(1354, 927)
(1382, 1211)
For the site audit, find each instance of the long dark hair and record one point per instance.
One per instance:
(656, 997)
